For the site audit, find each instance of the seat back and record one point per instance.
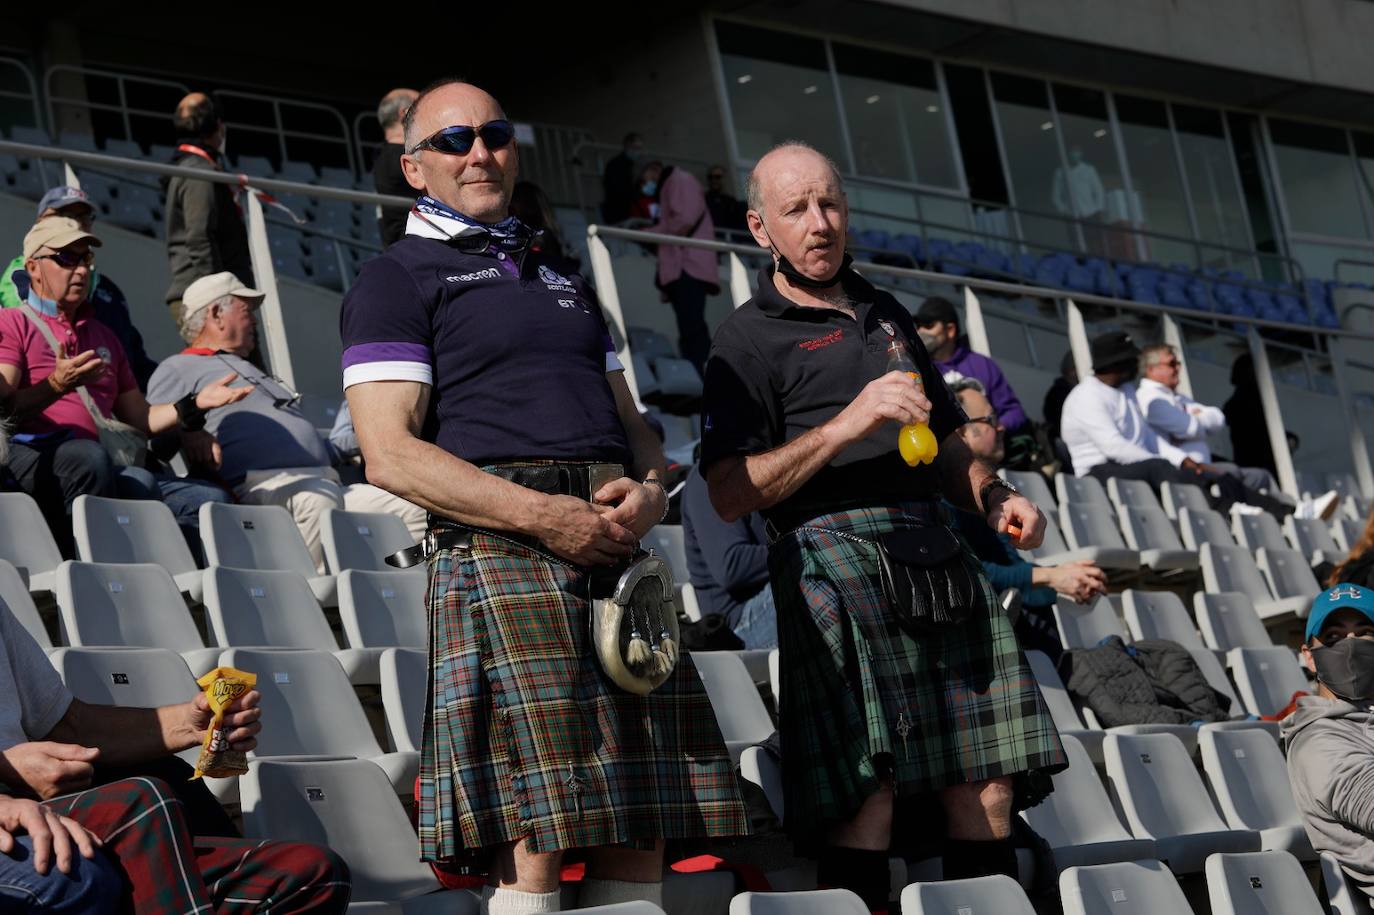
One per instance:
(1083, 626)
(1146, 527)
(405, 676)
(380, 609)
(1232, 568)
(1131, 492)
(1345, 896)
(1202, 525)
(1177, 496)
(1159, 615)
(1084, 490)
(20, 602)
(1159, 788)
(1215, 675)
(131, 677)
(758, 766)
(1033, 487)
(1053, 541)
(24, 536)
(253, 537)
(739, 710)
(1259, 882)
(1266, 678)
(1229, 620)
(1089, 524)
(362, 540)
(1249, 778)
(1056, 696)
(1346, 532)
(129, 530)
(346, 804)
(667, 541)
(1310, 535)
(1287, 572)
(1077, 812)
(997, 893)
(1128, 888)
(1258, 532)
(805, 902)
(264, 608)
(136, 605)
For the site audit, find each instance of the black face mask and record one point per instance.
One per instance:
(1347, 669)
(797, 278)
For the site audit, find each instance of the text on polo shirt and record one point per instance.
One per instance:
(833, 337)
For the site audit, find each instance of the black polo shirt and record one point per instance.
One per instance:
(778, 369)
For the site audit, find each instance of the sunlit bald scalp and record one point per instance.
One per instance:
(414, 121)
(764, 166)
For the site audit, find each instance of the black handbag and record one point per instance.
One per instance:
(928, 579)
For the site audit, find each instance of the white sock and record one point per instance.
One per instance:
(513, 902)
(608, 892)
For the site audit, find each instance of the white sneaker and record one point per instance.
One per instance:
(1323, 506)
(1240, 508)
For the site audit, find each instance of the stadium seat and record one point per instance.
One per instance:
(362, 540)
(1087, 490)
(273, 608)
(807, 902)
(20, 602)
(1289, 575)
(691, 607)
(134, 530)
(1229, 621)
(1202, 525)
(347, 805)
(310, 690)
(1033, 487)
(667, 541)
(1215, 675)
(1131, 492)
(405, 679)
(1179, 496)
(678, 379)
(1266, 678)
(739, 710)
(1159, 615)
(1091, 534)
(1249, 779)
(1256, 532)
(1075, 819)
(383, 609)
(649, 343)
(1258, 883)
(1164, 799)
(261, 537)
(1146, 528)
(1346, 532)
(775, 676)
(128, 606)
(1232, 568)
(1345, 895)
(757, 765)
(1125, 888)
(1312, 539)
(26, 541)
(1084, 625)
(639, 907)
(997, 893)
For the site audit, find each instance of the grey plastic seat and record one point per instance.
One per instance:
(1260, 883)
(362, 540)
(26, 541)
(105, 605)
(1288, 574)
(1229, 620)
(1232, 568)
(758, 766)
(1346, 532)
(1077, 819)
(405, 677)
(997, 893)
(806, 902)
(1345, 896)
(1313, 540)
(1123, 492)
(1197, 526)
(20, 603)
(1215, 674)
(1249, 779)
(348, 805)
(1033, 487)
(1266, 678)
(1256, 532)
(1164, 799)
(1083, 626)
(1053, 551)
(1062, 710)
(1086, 490)
(1159, 615)
(1126, 888)
(638, 907)
(740, 712)
(667, 541)
(1088, 525)
(1176, 497)
(1147, 529)
(134, 530)
(263, 608)
(382, 609)
(261, 537)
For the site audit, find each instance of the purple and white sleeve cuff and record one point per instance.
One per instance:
(365, 362)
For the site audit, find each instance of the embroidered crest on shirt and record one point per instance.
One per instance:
(555, 281)
(887, 327)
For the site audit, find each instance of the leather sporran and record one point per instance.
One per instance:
(929, 580)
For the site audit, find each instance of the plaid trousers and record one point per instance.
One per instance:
(169, 872)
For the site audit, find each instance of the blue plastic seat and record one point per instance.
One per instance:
(1172, 294)
(910, 245)
(1025, 265)
(1200, 295)
(1050, 272)
(1080, 279)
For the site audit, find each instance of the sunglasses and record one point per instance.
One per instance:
(71, 259)
(991, 420)
(458, 140)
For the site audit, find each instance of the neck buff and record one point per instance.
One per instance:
(431, 218)
(797, 278)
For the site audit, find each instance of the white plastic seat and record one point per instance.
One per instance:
(1266, 678)
(310, 691)
(1289, 575)
(106, 605)
(1176, 497)
(1312, 539)
(1229, 621)
(1258, 883)
(261, 537)
(1124, 492)
(1082, 490)
(1197, 526)
(775, 676)
(20, 602)
(997, 893)
(1232, 568)
(1033, 487)
(1147, 529)
(806, 902)
(1062, 710)
(1215, 674)
(691, 607)
(1054, 551)
(739, 710)
(667, 541)
(677, 377)
(1249, 779)
(134, 530)
(1346, 532)
(758, 766)
(1083, 626)
(1164, 799)
(1077, 819)
(1159, 615)
(405, 677)
(1345, 896)
(362, 540)
(26, 541)
(383, 609)
(1259, 531)
(264, 608)
(638, 907)
(1088, 525)
(1126, 888)
(348, 805)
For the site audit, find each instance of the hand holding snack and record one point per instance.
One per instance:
(227, 711)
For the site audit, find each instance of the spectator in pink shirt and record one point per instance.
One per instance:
(55, 453)
(685, 275)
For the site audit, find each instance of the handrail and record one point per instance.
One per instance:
(32, 96)
(282, 132)
(55, 101)
(1352, 261)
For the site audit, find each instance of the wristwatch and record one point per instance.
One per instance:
(989, 486)
(190, 417)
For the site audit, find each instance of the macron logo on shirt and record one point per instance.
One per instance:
(490, 273)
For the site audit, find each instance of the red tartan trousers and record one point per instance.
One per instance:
(167, 870)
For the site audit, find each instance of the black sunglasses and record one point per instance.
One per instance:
(458, 140)
(70, 259)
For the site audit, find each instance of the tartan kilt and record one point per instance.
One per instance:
(526, 738)
(862, 698)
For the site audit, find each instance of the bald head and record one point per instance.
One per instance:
(797, 209)
(196, 117)
(785, 160)
(477, 183)
(440, 102)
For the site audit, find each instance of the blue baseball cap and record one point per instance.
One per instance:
(1343, 596)
(63, 195)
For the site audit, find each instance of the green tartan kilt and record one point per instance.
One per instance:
(526, 738)
(862, 698)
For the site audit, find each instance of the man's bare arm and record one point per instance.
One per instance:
(645, 450)
(963, 477)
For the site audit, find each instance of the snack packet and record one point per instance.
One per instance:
(222, 686)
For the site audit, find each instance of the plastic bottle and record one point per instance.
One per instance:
(915, 442)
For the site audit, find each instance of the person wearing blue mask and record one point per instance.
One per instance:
(1330, 735)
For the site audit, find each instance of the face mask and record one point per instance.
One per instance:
(797, 278)
(931, 342)
(1347, 669)
(649, 188)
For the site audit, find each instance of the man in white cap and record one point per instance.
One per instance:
(53, 346)
(271, 452)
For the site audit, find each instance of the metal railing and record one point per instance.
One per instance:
(279, 128)
(127, 112)
(31, 96)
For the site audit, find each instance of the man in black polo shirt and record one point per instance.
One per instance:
(483, 385)
(802, 417)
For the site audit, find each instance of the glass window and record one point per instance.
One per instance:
(1317, 177)
(1155, 178)
(896, 117)
(1033, 162)
(780, 89)
(1364, 157)
(1210, 170)
(1091, 189)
